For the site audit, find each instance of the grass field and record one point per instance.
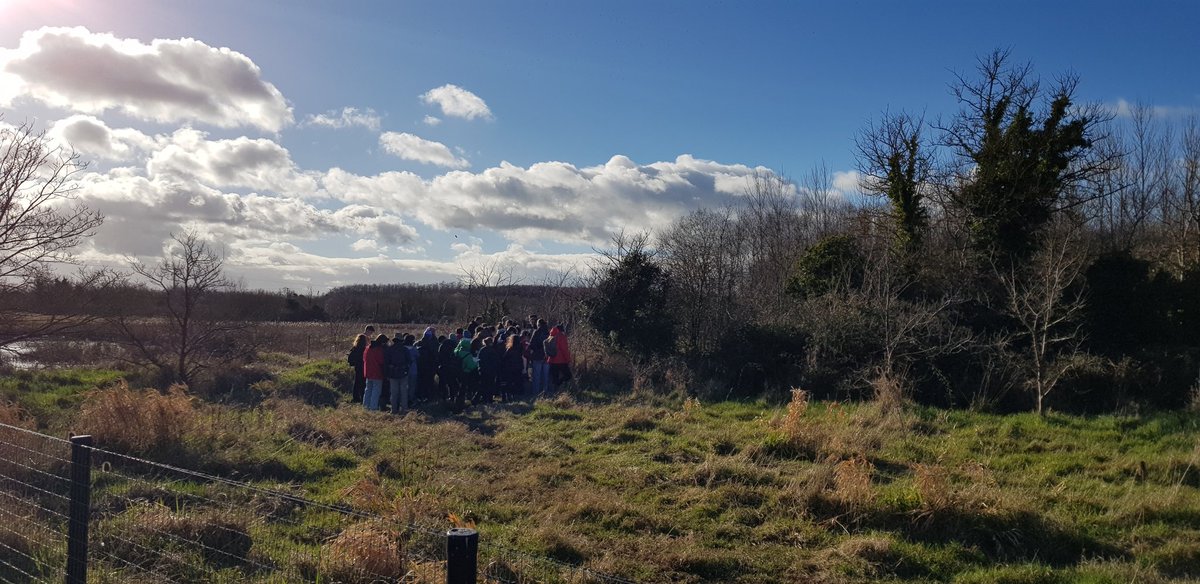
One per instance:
(682, 491)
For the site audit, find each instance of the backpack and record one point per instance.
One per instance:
(550, 346)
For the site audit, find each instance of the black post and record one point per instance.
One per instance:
(81, 503)
(462, 551)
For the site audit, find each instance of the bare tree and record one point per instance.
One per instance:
(1181, 210)
(1045, 300)
(188, 340)
(1139, 185)
(40, 223)
(774, 228)
(704, 252)
(491, 281)
(561, 294)
(910, 328)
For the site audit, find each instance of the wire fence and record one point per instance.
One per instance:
(149, 522)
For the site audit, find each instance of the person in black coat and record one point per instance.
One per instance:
(449, 368)
(490, 357)
(355, 359)
(512, 368)
(427, 349)
(396, 364)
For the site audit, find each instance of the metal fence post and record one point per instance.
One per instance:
(462, 551)
(81, 503)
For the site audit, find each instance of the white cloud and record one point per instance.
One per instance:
(91, 137)
(411, 147)
(365, 245)
(252, 163)
(431, 121)
(555, 201)
(177, 80)
(846, 181)
(347, 118)
(1125, 109)
(457, 102)
(284, 224)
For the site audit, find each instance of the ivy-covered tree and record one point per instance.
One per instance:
(1023, 154)
(630, 304)
(835, 263)
(895, 162)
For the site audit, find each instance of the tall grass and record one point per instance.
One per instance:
(141, 422)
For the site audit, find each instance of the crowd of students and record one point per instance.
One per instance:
(478, 362)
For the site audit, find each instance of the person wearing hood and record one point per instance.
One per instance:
(558, 355)
(427, 349)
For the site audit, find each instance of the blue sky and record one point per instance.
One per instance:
(729, 86)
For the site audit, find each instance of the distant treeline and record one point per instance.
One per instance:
(378, 303)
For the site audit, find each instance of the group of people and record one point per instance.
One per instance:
(479, 362)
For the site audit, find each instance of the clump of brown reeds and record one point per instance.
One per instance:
(138, 421)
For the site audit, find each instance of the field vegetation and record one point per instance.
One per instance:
(660, 487)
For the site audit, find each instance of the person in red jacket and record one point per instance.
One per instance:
(558, 355)
(374, 358)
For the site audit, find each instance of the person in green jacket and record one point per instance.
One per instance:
(468, 382)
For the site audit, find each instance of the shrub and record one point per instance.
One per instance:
(832, 264)
(140, 422)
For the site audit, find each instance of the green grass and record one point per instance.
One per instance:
(716, 493)
(48, 396)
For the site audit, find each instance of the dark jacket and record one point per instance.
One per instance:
(396, 361)
(445, 357)
(355, 359)
(513, 363)
(489, 361)
(537, 352)
(427, 354)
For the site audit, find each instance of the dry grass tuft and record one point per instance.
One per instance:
(852, 482)
(889, 391)
(969, 489)
(860, 556)
(13, 415)
(138, 421)
(793, 424)
(402, 507)
(841, 432)
(365, 552)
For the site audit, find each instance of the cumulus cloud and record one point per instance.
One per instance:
(411, 147)
(141, 212)
(457, 102)
(251, 163)
(556, 200)
(167, 80)
(431, 121)
(274, 216)
(349, 117)
(365, 245)
(91, 137)
(846, 182)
